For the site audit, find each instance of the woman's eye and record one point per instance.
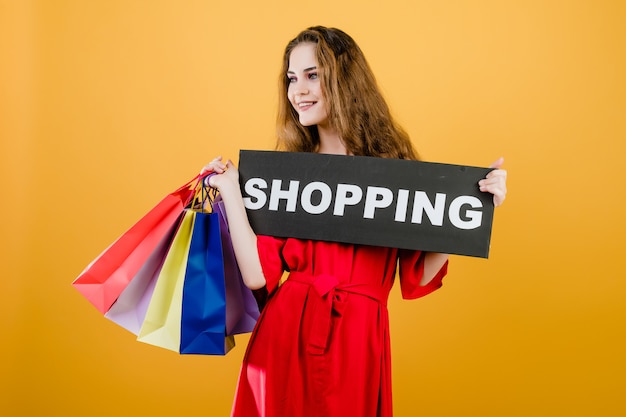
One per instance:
(313, 75)
(292, 80)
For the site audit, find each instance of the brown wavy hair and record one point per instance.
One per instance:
(357, 108)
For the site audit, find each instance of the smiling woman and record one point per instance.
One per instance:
(328, 319)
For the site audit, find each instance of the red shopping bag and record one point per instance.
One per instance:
(107, 276)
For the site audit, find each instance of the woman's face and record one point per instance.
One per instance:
(305, 90)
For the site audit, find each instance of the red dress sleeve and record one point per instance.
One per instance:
(272, 261)
(411, 265)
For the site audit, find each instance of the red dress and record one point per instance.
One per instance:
(321, 344)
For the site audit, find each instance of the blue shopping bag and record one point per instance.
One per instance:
(203, 320)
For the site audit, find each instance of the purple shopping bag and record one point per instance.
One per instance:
(242, 310)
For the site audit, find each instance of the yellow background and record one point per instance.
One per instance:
(106, 106)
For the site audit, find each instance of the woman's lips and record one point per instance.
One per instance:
(305, 105)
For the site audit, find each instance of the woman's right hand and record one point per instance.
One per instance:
(215, 165)
(227, 173)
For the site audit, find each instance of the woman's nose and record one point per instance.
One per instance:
(300, 89)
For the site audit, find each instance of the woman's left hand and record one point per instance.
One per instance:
(495, 183)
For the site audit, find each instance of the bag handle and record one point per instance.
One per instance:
(204, 194)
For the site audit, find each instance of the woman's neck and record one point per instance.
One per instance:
(330, 142)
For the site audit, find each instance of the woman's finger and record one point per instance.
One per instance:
(215, 165)
(498, 163)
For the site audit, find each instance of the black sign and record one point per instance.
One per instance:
(365, 200)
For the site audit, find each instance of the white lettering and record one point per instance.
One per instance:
(305, 199)
(347, 195)
(475, 217)
(402, 205)
(372, 202)
(464, 212)
(253, 189)
(422, 204)
(277, 194)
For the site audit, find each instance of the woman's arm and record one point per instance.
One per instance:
(244, 239)
(433, 262)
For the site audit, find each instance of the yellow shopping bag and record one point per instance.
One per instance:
(162, 324)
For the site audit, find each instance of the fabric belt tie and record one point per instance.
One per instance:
(325, 286)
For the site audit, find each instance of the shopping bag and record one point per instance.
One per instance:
(129, 310)
(203, 321)
(242, 310)
(188, 295)
(216, 302)
(161, 325)
(105, 278)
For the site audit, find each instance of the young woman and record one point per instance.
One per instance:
(321, 344)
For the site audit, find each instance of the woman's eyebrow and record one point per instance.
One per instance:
(305, 70)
